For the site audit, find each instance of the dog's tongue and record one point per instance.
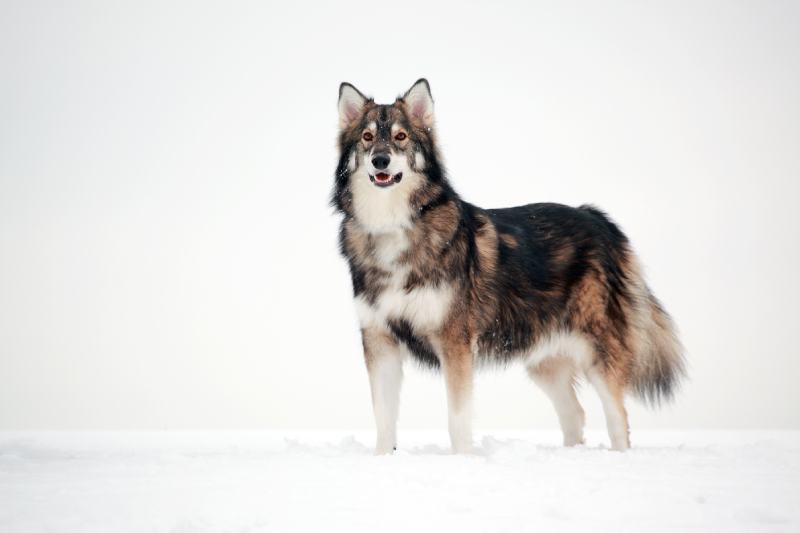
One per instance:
(382, 177)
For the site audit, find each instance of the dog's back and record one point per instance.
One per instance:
(564, 271)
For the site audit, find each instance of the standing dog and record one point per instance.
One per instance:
(454, 285)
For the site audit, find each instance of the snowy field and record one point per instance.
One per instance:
(269, 481)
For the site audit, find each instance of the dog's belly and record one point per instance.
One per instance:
(560, 343)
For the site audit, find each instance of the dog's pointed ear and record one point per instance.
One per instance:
(419, 102)
(351, 104)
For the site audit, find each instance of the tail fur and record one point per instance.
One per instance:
(658, 365)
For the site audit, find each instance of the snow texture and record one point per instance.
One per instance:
(185, 482)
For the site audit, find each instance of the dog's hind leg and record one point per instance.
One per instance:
(556, 377)
(611, 393)
(384, 361)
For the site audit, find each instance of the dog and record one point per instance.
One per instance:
(455, 286)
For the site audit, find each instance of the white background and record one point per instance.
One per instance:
(168, 258)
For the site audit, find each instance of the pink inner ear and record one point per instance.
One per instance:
(418, 108)
(351, 111)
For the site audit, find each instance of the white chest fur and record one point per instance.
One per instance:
(425, 307)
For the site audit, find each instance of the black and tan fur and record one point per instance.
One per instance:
(455, 286)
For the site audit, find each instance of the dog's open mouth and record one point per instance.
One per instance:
(384, 180)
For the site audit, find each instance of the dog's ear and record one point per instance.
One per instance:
(419, 102)
(351, 104)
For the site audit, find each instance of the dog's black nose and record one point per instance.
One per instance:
(380, 161)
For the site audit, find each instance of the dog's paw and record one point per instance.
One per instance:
(573, 440)
(463, 448)
(384, 449)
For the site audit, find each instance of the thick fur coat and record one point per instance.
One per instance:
(454, 285)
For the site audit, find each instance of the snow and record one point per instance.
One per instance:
(185, 482)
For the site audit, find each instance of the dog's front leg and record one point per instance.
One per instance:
(456, 360)
(385, 366)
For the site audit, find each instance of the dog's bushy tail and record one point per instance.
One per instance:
(658, 363)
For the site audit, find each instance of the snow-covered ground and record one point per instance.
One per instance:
(294, 481)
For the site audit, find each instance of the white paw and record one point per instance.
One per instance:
(573, 440)
(385, 447)
(620, 444)
(463, 447)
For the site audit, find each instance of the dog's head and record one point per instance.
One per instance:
(388, 160)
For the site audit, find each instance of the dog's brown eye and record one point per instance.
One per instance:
(400, 136)
(367, 136)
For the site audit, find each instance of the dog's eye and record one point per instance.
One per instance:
(367, 136)
(400, 136)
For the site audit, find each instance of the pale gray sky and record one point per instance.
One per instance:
(168, 258)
